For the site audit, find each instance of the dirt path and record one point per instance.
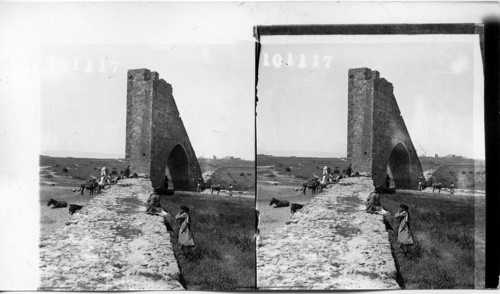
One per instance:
(330, 244)
(111, 244)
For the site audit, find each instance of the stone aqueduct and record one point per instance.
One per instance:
(157, 143)
(378, 142)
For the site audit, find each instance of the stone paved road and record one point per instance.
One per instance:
(331, 244)
(111, 244)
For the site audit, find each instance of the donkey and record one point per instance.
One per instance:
(57, 204)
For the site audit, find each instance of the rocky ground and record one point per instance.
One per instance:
(330, 244)
(111, 244)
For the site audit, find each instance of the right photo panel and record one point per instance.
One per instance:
(370, 157)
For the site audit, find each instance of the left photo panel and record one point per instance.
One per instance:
(147, 167)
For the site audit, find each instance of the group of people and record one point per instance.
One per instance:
(405, 237)
(185, 236)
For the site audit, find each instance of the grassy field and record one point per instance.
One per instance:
(79, 169)
(301, 167)
(223, 230)
(241, 177)
(444, 234)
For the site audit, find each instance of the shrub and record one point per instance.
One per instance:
(288, 169)
(242, 174)
(65, 169)
(249, 174)
(464, 172)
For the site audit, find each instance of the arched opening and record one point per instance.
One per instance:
(399, 167)
(178, 168)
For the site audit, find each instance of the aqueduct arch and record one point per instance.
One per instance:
(377, 138)
(156, 141)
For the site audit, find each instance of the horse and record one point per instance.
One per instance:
(294, 207)
(437, 186)
(311, 184)
(73, 208)
(57, 204)
(217, 188)
(89, 185)
(279, 203)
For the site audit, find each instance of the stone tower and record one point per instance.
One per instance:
(157, 143)
(378, 142)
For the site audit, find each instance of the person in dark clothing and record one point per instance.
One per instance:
(126, 173)
(387, 181)
(348, 171)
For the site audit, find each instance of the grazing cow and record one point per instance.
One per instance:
(90, 185)
(217, 188)
(57, 204)
(437, 186)
(312, 184)
(294, 207)
(73, 208)
(279, 203)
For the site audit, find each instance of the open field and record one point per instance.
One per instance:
(223, 226)
(301, 167)
(223, 230)
(241, 177)
(444, 233)
(448, 229)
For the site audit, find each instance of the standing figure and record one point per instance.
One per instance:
(325, 171)
(165, 183)
(452, 187)
(348, 171)
(104, 171)
(230, 189)
(126, 173)
(420, 183)
(185, 236)
(387, 181)
(404, 234)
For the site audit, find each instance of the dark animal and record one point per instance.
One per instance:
(279, 203)
(294, 207)
(134, 176)
(217, 188)
(312, 184)
(89, 185)
(437, 186)
(73, 208)
(356, 174)
(57, 204)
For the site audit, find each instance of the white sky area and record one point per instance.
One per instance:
(302, 107)
(84, 96)
(206, 51)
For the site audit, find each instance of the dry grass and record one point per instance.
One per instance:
(223, 229)
(443, 229)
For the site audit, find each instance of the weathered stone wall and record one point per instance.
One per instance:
(139, 120)
(153, 111)
(375, 128)
(331, 243)
(111, 245)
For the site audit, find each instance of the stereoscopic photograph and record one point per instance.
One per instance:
(146, 168)
(370, 157)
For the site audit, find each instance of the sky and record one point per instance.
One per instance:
(302, 106)
(84, 95)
